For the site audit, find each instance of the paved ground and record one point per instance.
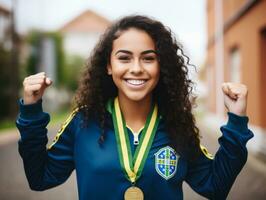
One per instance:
(250, 184)
(13, 183)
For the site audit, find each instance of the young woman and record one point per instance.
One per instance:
(132, 134)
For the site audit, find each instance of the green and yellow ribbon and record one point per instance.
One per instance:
(133, 166)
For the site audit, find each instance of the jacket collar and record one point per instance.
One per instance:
(109, 107)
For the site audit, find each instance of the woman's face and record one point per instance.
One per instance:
(134, 65)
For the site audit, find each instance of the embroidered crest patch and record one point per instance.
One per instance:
(166, 161)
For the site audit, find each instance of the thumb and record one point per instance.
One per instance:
(48, 82)
(45, 85)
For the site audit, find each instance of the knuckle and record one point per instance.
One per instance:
(26, 78)
(24, 82)
(42, 81)
(38, 86)
(26, 88)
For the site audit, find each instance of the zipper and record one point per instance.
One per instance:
(136, 138)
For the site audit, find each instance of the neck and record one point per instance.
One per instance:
(135, 113)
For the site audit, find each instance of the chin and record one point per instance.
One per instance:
(136, 97)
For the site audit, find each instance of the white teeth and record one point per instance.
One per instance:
(136, 82)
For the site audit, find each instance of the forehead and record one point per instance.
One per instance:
(134, 40)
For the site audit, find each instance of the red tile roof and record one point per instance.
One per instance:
(88, 21)
(4, 10)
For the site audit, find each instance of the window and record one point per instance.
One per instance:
(235, 66)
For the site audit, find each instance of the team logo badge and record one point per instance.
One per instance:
(166, 161)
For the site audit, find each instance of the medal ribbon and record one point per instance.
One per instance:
(133, 167)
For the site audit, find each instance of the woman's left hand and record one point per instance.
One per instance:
(235, 97)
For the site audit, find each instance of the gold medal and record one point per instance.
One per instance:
(133, 193)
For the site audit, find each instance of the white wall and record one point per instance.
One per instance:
(80, 43)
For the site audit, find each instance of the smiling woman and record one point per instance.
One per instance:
(134, 66)
(134, 99)
(135, 71)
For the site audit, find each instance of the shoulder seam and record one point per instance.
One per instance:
(63, 127)
(206, 152)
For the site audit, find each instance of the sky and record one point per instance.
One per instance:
(186, 18)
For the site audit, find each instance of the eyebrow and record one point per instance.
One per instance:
(142, 53)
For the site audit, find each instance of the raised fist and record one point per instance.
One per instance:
(34, 87)
(235, 97)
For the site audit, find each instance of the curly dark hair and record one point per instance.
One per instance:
(173, 92)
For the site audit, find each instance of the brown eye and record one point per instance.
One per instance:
(149, 58)
(124, 58)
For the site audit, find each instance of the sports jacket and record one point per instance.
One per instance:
(98, 171)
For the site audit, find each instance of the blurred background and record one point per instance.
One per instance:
(224, 39)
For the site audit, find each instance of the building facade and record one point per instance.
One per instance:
(5, 28)
(82, 33)
(236, 52)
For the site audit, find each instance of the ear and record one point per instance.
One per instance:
(109, 69)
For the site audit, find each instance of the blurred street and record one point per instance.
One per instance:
(250, 184)
(13, 183)
(224, 40)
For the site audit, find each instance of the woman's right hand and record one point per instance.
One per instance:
(34, 87)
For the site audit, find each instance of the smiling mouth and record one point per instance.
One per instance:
(136, 82)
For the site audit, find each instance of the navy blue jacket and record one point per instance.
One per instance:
(98, 170)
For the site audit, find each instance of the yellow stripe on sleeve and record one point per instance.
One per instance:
(206, 153)
(63, 127)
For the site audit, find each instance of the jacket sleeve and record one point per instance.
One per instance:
(44, 168)
(213, 177)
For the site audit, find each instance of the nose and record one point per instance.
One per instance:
(136, 67)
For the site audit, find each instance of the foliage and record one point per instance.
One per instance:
(4, 82)
(66, 68)
(33, 39)
(71, 72)
(56, 118)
